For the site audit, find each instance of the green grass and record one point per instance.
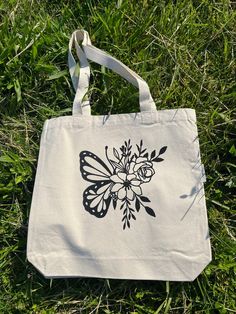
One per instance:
(186, 52)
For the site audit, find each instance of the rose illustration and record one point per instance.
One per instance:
(143, 169)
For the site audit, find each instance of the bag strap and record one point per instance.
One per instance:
(81, 82)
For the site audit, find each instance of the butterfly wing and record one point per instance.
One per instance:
(97, 199)
(92, 168)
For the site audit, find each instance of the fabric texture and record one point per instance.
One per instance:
(122, 195)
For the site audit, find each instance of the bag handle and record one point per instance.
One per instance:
(81, 83)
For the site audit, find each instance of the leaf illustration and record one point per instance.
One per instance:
(137, 204)
(157, 159)
(122, 148)
(150, 211)
(126, 160)
(144, 199)
(162, 150)
(153, 154)
(145, 155)
(122, 205)
(133, 216)
(116, 154)
(128, 224)
(114, 203)
(116, 165)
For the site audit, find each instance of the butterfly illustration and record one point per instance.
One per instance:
(121, 180)
(97, 197)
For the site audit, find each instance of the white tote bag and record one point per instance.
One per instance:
(118, 196)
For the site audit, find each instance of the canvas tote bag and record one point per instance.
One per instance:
(120, 195)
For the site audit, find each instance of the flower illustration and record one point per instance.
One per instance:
(126, 185)
(143, 168)
(119, 182)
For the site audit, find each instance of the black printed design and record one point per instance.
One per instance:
(120, 182)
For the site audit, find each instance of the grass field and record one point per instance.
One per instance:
(185, 50)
